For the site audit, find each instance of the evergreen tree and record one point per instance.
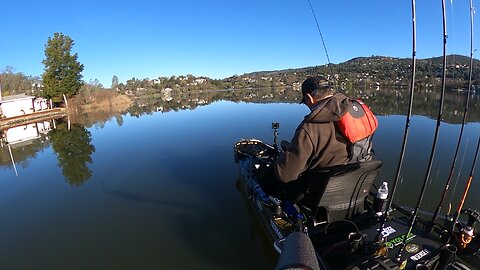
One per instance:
(114, 81)
(62, 73)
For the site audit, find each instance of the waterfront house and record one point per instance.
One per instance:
(40, 104)
(16, 105)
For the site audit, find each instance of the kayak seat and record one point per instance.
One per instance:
(340, 192)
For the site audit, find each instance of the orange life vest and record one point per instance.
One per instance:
(358, 125)
(358, 122)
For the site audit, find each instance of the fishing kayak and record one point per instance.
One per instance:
(340, 226)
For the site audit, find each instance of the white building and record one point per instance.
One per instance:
(167, 94)
(40, 104)
(17, 105)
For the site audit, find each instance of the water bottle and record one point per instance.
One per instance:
(380, 199)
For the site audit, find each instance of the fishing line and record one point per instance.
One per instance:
(459, 172)
(407, 121)
(435, 137)
(324, 46)
(460, 136)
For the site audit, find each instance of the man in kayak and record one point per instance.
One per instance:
(337, 131)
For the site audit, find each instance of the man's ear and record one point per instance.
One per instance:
(312, 100)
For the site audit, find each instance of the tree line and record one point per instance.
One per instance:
(62, 76)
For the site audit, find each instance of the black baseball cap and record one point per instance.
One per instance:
(314, 83)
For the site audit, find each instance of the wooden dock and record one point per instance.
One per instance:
(25, 119)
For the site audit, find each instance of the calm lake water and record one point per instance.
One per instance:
(155, 188)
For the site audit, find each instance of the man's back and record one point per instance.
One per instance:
(337, 131)
(317, 141)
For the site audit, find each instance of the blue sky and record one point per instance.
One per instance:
(219, 39)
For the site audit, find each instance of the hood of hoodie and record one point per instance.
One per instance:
(329, 110)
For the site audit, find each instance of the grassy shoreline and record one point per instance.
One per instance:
(75, 110)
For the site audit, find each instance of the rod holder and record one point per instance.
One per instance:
(356, 240)
(447, 254)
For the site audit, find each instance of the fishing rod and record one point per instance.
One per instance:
(332, 71)
(435, 137)
(407, 125)
(467, 100)
(467, 188)
(410, 106)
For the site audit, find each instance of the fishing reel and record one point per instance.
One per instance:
(473, 218)
(465, 238)
(466, 241)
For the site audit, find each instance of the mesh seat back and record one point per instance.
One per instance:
(341, 193)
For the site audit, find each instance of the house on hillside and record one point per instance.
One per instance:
(11, 106)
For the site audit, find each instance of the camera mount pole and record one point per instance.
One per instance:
(275, 127)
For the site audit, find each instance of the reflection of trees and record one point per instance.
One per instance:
(383, 101)
(425, 103)
(106, 107)
(119, 119)
(74, 151)
(191, 100)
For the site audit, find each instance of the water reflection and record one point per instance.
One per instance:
(71, 144)
(74, 148)
(74, 152)
(163, 175)
(21, 143)
(382, 101)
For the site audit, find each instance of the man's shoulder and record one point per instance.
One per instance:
(316, 127)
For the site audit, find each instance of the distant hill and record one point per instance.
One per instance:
(453, 58)
(373, 71)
